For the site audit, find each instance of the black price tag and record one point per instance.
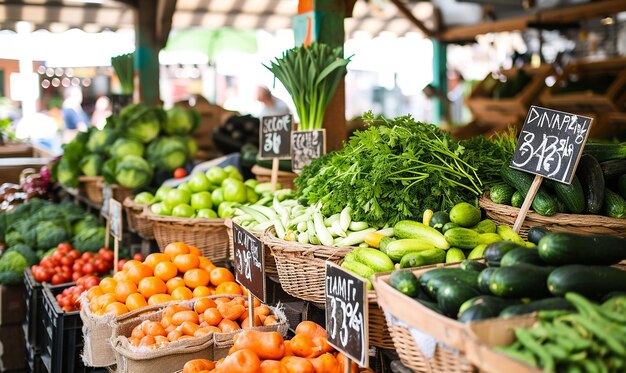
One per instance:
(346, 313)
(551, 143)
(116, 219)
(275, 137)
(107, 193)
(306, 146)
(249, 261)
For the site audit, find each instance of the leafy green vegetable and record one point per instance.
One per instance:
(91, 165)
(124, 66)
(108, 170)
(90, 239)
(100, 140)
(50, 234)
(133, 172)
(181, 121)
(168, 152)
(26, 252)
(141, 122)
(123, 147)
(13, 261)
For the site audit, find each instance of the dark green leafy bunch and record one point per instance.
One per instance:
(489, 154)
(392, 171)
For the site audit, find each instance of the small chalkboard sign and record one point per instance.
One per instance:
(275, 137)
(346, 313)
(107, 193)
(249, 261)
(306, 146)
(116, 219)
(551, 143)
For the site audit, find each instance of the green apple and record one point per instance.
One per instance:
(201, 200)
(227, 209)
(183, 211)
(162, 192)
(160, 208)
(251, 196)
(251, 183)
(177, 197)
(206, 214)
(144, 198)
(234, 190)
(217, 196)
(233, 172)
(216, 175)
(184, 186)
(199, 183)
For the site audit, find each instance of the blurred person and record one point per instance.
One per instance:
(73, 114)
(271, 104)
(101, 112)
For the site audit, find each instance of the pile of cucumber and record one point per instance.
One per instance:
(597, 188)
(593, 339)
(517, 279)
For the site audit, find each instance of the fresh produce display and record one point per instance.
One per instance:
(213, 194)
(255, 351)
(32, 185)
(521, 279)
(205, 316)
(599, 186)
(69, 298)
(135, 149)
(592, 339)
(65, 264)
(179, 273)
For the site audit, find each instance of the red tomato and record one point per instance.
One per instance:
(88, 268)
(75, 254)
(106, 254)
(57, 279)
(64, 248)
(77, 267)
(138, 257)
(87, 255)
(57, 255)
(179, 173)
(76, 276)
(67, 260)
(120, 264)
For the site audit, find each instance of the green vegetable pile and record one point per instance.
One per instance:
(398, 168)
(132, 148)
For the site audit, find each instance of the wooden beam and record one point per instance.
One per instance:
(408, 14)
(165, 13)
(557, 15)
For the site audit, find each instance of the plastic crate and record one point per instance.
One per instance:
(34, 364)
(63, 338)
(32, 319)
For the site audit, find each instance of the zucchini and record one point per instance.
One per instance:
(375, 259)
(517, 200)
(621, 186)
(413, 229)
(405, 282)
(501, 193)
(589, 281)
(485, 226)
(475, 313)
(359, 269)
(496, 304)
(614, 205)
(465, 214)
(454, 255)
(605, 152)
(613, 169)
(449, 226)
(591, 179)
(430, 305)
(472, 265)
(437, 272)
(396, 249)
(467, 277)
(522, 280)
(535, 233)
(452, 294)
(477, 252)
(547, 304)
(439, 219)
(495, 251)
(521, 255)
(560, 206)
(422, 258)
(571, 195)
(483, 280)
(543, 203)
(463, 238)
(384, 242)
(561, 248)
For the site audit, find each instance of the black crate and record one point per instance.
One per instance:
(34, 364)
(32, 319)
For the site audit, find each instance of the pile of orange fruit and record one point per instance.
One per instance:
(219, 315)
(267, 352)
(180, 272)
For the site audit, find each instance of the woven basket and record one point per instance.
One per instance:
(118, 192)
(302, 267)
(377, 324)
(209, 235)
(137, 220)
(264, 175)
(91, 186)
(270, 263)
(575, 223)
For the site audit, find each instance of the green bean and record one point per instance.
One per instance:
(572, 368)
(558, 352)
(600, 364)
(552, 314)
(604, 335)
(579, 356)
(526, 339)
(616, 363)
(590, 367)
(525, 356)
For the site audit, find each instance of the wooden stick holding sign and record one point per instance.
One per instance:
(549, 146)
(249, 265)
(116, 230)
(275, 140)
(107, 192)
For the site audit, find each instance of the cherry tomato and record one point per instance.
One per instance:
(56, 279)
(75, 276)
(138, 257)
(88, 268)
(120, 264)
(101, 266)
(106, 254)
(64, 248)
(74, 254)
(57, 255)
(87, 255)
(179, 173)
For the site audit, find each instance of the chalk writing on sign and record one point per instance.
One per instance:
(107, 193)
(249, 261)
(116, 218)
(275, 136)
(306, 146)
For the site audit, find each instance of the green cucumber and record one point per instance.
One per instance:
(396, 249)
(547, 304)
(437, 272)
(591, 179)
(508, 234)
(519, 281)
(449, 226)
(384, 242)
(430, 305)
(472, 265)
(468, 277)
(521, 255)
(496, 304)
(439, 219)
(350, 257)
(463, 238)
(571, 195)
(413, 229)
(613, 169)
(543, 203)
(560, 206)
(495, 251)
(501, 193)
(614, 205)
(465, 214)
(605, 152)
(489, 238)
(477, 252)
(375, 259)
(405, 282)
(475, 313)
(485, 226)
(589, 281)
(452, 294)
(517, 200)
(454, 255)
(483, 280)
(561, 248)
(422, 258)
(536, 233)
(359, 269)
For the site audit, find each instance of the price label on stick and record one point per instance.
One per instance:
(249, 261)
(346, 313)
(275, 137)
(116, 219)
(306, 146)
(107, 193)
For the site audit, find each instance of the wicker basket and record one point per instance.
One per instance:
(118, 192)
(302, 267)
(209, 235)
(378, 330)
(91, 186)
(270, 263)
(575, 223)
(137, 221)
(263, 175)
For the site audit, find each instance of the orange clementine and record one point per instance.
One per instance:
(165, 270)
(147, 341)
(123, 289)
(138, 272)
(189, 328)
(182, 293)
(228, 287)
(194, 250)
(94, 292)
(202, 291)
(159, 299)
(212, 316)
(196, 277)
(129, 264)
(182, 316)
(150, 286)
(176, 248)
(153, 328)
(202, 304)
(220, 275)
(121, 275)
(155, 258)
(108, 285)
(105, 299)
(135, 301)
(206, 264)
(174, 283)
(186, 262)
(116, 308)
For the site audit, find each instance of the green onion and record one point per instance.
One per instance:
(311, 75)
(124, 66)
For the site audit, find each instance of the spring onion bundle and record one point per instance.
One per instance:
(124, 66)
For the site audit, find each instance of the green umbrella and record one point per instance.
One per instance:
(213, 42)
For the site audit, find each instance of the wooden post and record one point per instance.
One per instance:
(274, 175)
(527, 202)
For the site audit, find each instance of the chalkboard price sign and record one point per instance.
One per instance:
(249, 261)
(551, 143)
(116, 219)
(346, 313)
(275, 137)
(306, 146)
(107, 193)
